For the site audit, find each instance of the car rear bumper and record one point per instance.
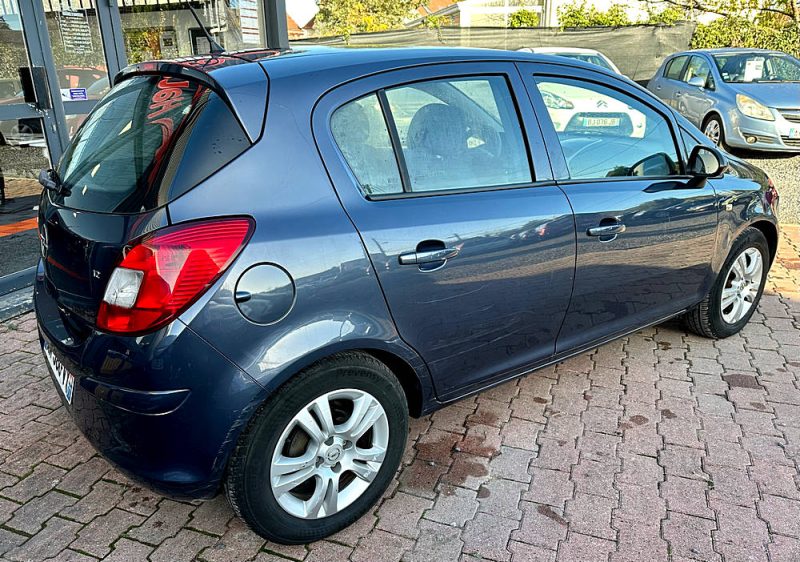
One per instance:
(166, 409)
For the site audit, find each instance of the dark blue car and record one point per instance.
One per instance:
(256, 266)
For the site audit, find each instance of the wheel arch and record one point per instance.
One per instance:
(409, 369)
(770, 232)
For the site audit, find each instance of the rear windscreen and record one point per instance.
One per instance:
(151, 139)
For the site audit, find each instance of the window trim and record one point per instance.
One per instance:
(611, 86)
(394, 136)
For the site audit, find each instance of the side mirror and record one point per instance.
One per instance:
(697, 82)
(706, 162)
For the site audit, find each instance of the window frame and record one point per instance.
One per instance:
(534, 71)
(335, 162)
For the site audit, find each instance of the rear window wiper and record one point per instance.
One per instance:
(52, 182)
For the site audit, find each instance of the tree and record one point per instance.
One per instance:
(345, 17)
(580, 15)
(523, 18)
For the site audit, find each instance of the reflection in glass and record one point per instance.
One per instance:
(77, 49)
(12, 52)
(166, 29)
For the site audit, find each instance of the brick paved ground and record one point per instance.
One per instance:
(657, 446)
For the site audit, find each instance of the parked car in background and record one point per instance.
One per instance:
(233, 296)
(576, 53)
(742, 98)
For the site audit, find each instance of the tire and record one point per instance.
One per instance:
(713, 320)
(711, 123)
(254, 485)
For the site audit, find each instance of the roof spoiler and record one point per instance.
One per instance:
(238, 87)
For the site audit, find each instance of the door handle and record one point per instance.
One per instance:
(428, 256)
(607, 230)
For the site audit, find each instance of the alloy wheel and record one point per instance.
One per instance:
(713, 131)
(329, 453)
(742, 285)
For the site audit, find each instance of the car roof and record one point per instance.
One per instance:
(576, 50)
(726, 51)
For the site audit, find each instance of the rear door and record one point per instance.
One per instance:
(668, 86)
(472, 241)
(645, 234)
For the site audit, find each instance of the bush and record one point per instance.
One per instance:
(763, 32)
(523, 18)
(581, 15)
(667, 16)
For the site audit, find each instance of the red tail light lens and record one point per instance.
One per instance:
(167, 271)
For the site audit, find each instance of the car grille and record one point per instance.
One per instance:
(792, 115)
(795, 143)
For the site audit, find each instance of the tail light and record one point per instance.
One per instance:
(168, 270)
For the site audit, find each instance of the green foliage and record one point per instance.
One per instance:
(580, 15)
(345, 17)
(523, 18)
(668, 16)
(767, 31)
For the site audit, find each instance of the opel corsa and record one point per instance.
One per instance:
(256, 266)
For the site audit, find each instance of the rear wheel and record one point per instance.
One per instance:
(735, 294)
(321, 451)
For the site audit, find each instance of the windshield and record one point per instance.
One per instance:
(591, 59)
(149, 140)
(757, 67)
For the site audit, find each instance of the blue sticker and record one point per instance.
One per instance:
(78, 94)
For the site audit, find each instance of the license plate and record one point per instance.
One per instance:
(65, 380)
(794, 133)
(601, 121)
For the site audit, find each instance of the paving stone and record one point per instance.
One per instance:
(164, 523)
(56, 534)
(542, 525)
(585, 548)
(454, 506)
(435, 542)
(687, 496)
(521, 552)
(690, 537)
(43, 479)
(549, 487)
(126, 550)
(591, 515)
(383, 546)
(103, 497)
(487, 536)
(782, 515)
(96, 537)
(401, 514)
(238, 543)
(79, 480)
(30, 517)
(212, 516)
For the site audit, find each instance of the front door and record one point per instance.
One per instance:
(645, 233)
(473, 245)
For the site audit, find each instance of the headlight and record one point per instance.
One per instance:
(752, 108)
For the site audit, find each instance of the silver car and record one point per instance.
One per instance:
(742, 98)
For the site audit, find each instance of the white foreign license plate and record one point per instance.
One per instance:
(65, 380)
(601, 121)
(794, 133)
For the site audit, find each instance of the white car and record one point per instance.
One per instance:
(586, 55)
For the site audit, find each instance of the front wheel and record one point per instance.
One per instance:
(321, 451)
(713, 129)
(734, 296)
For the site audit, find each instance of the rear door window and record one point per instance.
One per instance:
(461, 133)
(674, 67)
(151, 139)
